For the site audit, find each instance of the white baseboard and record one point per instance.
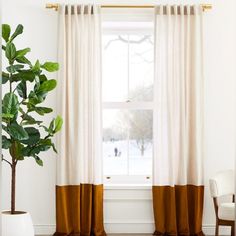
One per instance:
(44, 229)
(210, 230)
(129, 227)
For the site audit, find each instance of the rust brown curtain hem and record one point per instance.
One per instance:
(79, 210)
(78, 234)
(178, 210)
(169, 234)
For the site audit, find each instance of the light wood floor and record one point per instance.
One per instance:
(118, 235)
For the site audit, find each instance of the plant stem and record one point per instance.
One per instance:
(7, 161)
(13, 185)
(49, 135)
(10, 81)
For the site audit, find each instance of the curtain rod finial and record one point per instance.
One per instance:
(206, 7)
(54, 6)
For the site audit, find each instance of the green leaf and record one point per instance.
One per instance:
(6, 143)
(10, 69)
(47, 142)
(7, 116)
(17, 132)
(5, 77)
(50, 66)
(13, 68)
(55, 125)
(22, 89)
(19, 30)
(47, 86)
(25, 75)
(39, 148)
(42, 110)
(42, 78)
(16, 150)
(29, 120)
(41, 96)
(51, 126)
(26, 151)
(22, 52)
(54, 148)
(34, 136)
(10, 104)
(34, 99)
(36, 66)
(6, 30)
(38, 161)
(37, 84)
(23, 60)
(58, 124)
(10, 51)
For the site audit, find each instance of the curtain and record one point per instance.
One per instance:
(79, 189)
(178, 121)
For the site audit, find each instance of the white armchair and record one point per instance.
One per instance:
(222, 186)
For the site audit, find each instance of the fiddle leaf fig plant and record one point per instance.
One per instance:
(26, 86)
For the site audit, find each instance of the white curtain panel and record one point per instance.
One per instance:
(179, 90)
(79, 95)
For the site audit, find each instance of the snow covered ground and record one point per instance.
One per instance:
(128, 160)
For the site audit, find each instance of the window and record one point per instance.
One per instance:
(127, 106)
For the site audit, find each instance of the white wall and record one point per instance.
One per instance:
(35, 185)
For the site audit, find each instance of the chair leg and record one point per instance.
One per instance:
(217, 229)
(232, 230)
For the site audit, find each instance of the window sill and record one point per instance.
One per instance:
(127, 187)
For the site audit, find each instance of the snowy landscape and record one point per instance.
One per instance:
(128, 161)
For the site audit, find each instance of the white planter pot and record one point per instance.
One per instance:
(19, 224)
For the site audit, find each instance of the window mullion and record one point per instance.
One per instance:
(128, 105)
(128, 71)
(128, 100)
(128, 159)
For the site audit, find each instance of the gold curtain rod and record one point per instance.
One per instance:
(55, 6)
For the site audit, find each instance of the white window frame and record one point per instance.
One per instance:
(128, 180)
